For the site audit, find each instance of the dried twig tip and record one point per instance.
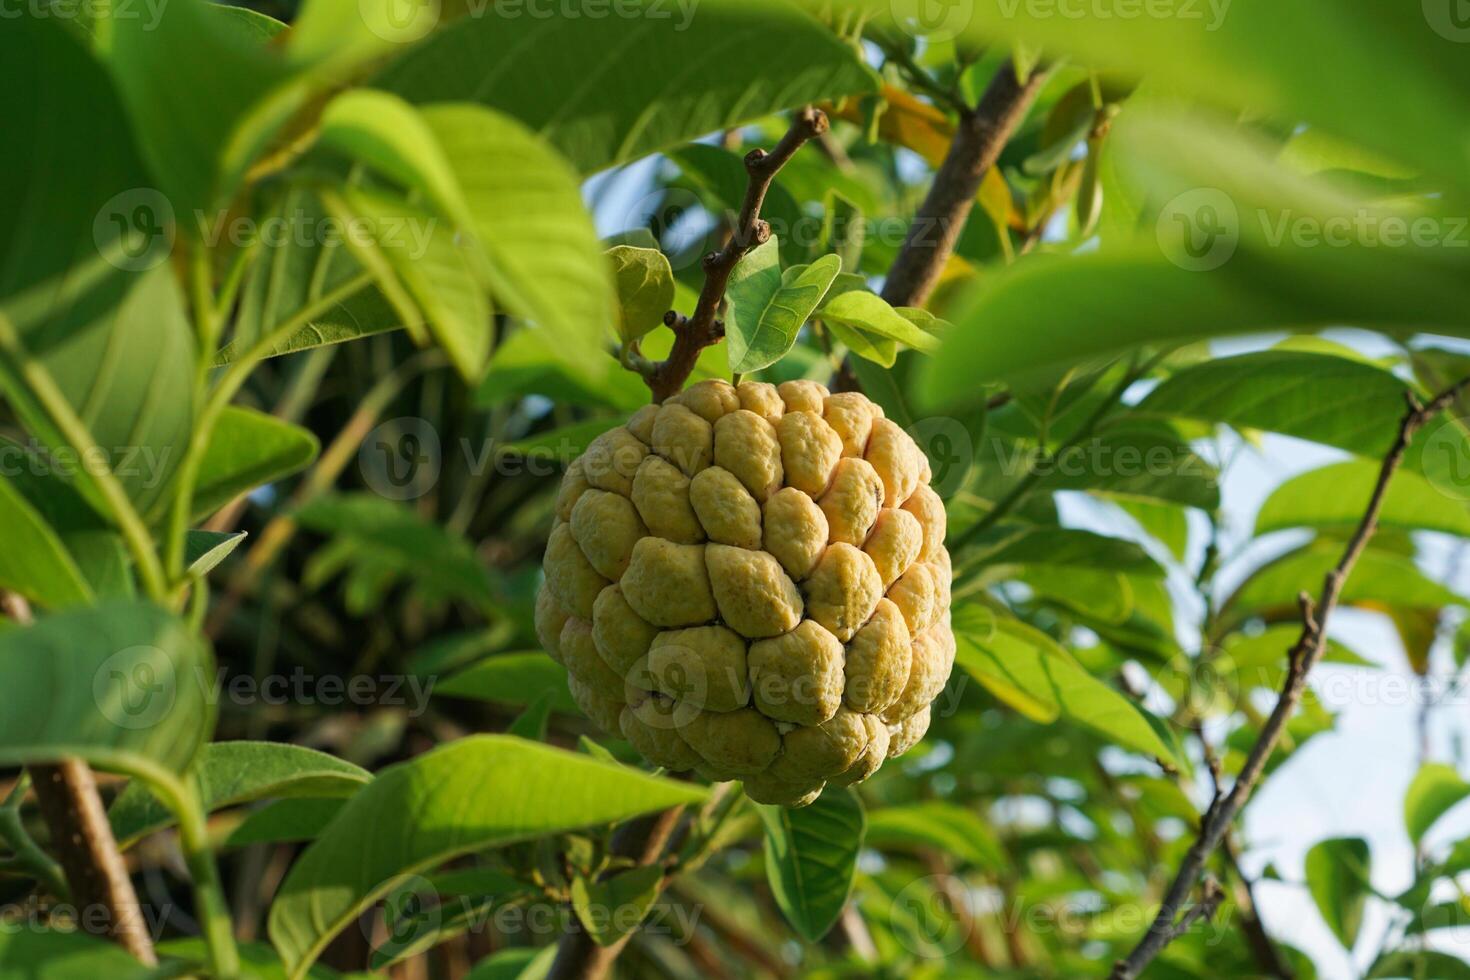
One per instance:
(814, 120)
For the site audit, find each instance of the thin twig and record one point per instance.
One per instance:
(1302, 657)
(694, 333)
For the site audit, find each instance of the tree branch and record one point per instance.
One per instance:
(978, 141)
(95, 873)
(1302, 657)
(693, 334)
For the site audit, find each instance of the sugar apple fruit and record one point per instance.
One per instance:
(750, 581)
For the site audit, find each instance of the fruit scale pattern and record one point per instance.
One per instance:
(750, 581)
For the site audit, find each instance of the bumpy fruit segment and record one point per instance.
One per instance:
(751, 582)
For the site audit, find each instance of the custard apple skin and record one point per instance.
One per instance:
(751, 582)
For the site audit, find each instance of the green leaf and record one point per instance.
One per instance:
(514, 679)
(1028, 670)
(389, 135)
(1070, 547)
(869, 312)
(543, 259)
(1267, 57)
(1127, 460)
(934, 824)
(34, 562)
(1435, 790)
(203, 96)
(80, 271)
(1337, 877)
(767, 309)
(523, 963)
(231, 773)
(46, 954)
(878, 350)
(393, 534)
(248, 449)
(1260, 659)
(1164, 522)
(305, 288)
(204, 550)
(610, 908)
(645, 285)
(1336, 496)
(259, 960)
(531, 723)
(285, 821)
(1256, 267)
(1284, 391)
(121, 685)
(811, 858)
(48, 485)
(1380, 578)
(478, 792)
(1412, 964)
(423, 270)
(616, 108)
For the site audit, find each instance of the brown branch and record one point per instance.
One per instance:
(1302, 657)
(578, 957)
(955, 893)
(693, 334)
(980, 137)
(96, 876)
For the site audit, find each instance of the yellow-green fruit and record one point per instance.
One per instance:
(751, 582)
(843, 590)
(810, 449)
(755, 596)
(761, 398)
(746, 445)
(852, 501)
(661, 495)
(621, 635)
(607, 526)
(797, 676)
(650, 723)
(803, 396)
(683, 438)
(851, 416)
(704, 666)
(708, 399)
(725, 509)
(550, 618)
